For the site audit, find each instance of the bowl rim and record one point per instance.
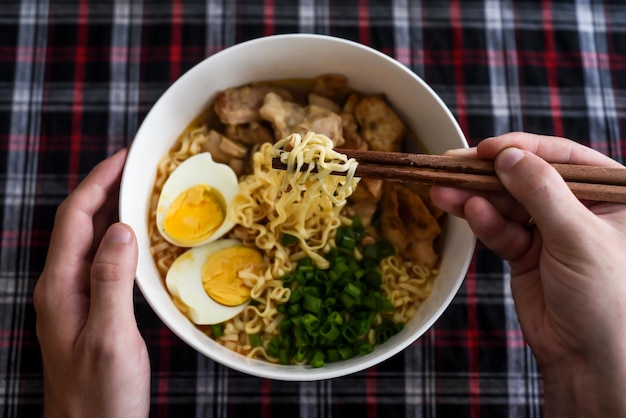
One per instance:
(258, 367)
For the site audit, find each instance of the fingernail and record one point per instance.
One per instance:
(462, 152)
(508, 158)
(118, 233)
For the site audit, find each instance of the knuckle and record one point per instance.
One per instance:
(540, 181)
(536, 185)
(62, 209)
(101, 349)
(105, 347)
(40, 300)
(37, 300)
(533, 181)
(107, 270)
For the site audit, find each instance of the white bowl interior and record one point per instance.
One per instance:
(286, 57)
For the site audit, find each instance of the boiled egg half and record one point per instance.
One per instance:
(193, 206)
(207, 280)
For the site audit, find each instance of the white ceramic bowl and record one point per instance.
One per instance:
(287, 57)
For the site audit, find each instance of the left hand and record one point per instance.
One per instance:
(94, 359)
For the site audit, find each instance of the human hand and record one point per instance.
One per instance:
(568, 274)
(94, 359)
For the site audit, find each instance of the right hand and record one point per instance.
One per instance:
(568, 275)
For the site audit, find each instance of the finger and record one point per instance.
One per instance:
(112, 275)
(550, 148)
(542, 191)
(73, 233)
(453, 201)
(506, 238)
(104, 218)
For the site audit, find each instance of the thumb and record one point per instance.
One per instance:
(112, 275)
(540, 189)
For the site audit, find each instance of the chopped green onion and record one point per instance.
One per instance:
(302, 354)
(301, 336)
(320, 277)
(294, 309)
(330, 302)
(299, 276)
(310, 322)
(305, 264)
(329, 331)
(373, 278)
(357, 224)
(255, 340)
(369, 302)
(385, 249)
(349, 334)
(340, 268)
(347, 300)
(386, 305)
(311, 290)
(296, 295)
(345, 351)
(361, 327)
(347, 242)
(283, 356)
(370, 251)
(365, 348)
(332, 355)
(353, 291)
(318, 359)
(339, 234)
(311, 303)
(218, 330)
(335, 318)
(383, 334)
(288, 239)
(272, 347)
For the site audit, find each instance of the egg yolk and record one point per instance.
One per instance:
(220, 274)
(194, 215)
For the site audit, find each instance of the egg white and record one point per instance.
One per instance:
(184, 280)
(199, 169)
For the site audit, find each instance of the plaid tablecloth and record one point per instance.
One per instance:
(78, 77)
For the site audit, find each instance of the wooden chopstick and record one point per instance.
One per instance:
(604, 184)
(569, 172)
